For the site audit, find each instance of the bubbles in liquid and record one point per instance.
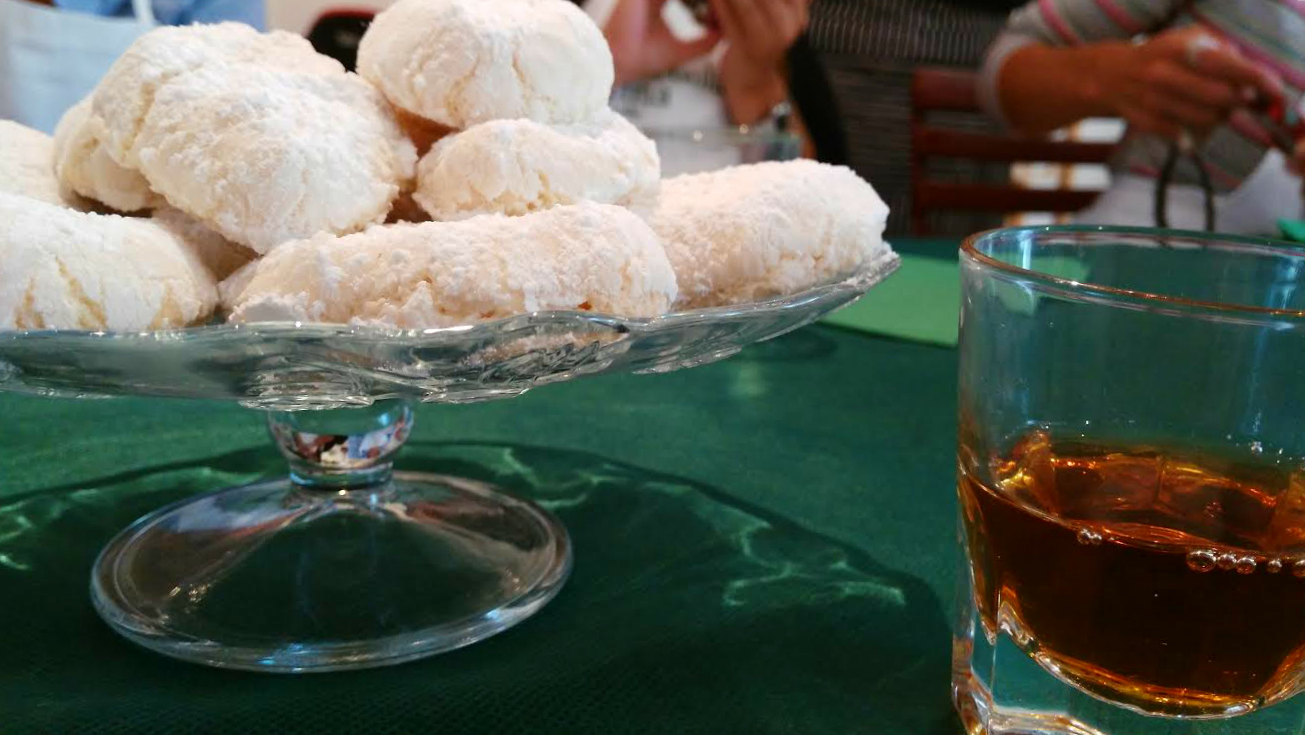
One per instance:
(1257, 448)
(1205, 560)
(1298, 569)
(1200, 561)
(1088, 537)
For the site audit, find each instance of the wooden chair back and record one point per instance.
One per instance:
(935, 89)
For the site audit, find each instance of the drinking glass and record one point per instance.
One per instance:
(1131, 473)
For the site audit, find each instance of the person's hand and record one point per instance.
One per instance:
(1182, 83)
(642, 45)
(759, 33)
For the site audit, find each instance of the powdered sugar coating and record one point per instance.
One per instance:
(27, 164)
(589, 256)
(518, 166)
(463, 62)
(264, 156)
(83, 166)
(65, 269)
(749, 233)
(126, 93)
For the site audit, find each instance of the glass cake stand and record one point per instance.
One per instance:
(346, 563)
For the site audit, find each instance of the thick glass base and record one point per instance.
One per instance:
(999, 689)
(284, 578)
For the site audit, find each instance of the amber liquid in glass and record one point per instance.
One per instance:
(1166, 581)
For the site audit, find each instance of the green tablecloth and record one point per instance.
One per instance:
(763, 545)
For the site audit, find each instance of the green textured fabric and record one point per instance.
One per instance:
(763, 545)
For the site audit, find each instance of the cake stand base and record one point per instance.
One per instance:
(284, 577)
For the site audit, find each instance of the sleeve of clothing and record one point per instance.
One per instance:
(250, 12)
(1069, 23)
(95, 7)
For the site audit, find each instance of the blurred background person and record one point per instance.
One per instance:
(729, 70)
(52, 54)
(868, 51)
(681, 73)
(1185, 76)
(677, 75)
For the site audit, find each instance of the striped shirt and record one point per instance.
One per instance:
(1268, 32)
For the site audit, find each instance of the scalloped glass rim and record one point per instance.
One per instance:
(291, 365)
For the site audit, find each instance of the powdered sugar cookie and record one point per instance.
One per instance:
(65, 269)
(27, 164)
(749, 233)
(463, 62)
(125, 94)
(265, 156)
(518, 166)
(84, 167)
(588, 257)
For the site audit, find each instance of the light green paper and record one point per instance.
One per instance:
(920, 302)
(1292, 229)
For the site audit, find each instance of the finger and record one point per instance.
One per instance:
(1167, 97)
(804, 15)
(755, 18)
(1195, 88)
(654, 9)
(773, 26)
(725, 16)
(790, 19)
(682, 52)
(1229, 66)
(1198, 118)
(801, 10)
